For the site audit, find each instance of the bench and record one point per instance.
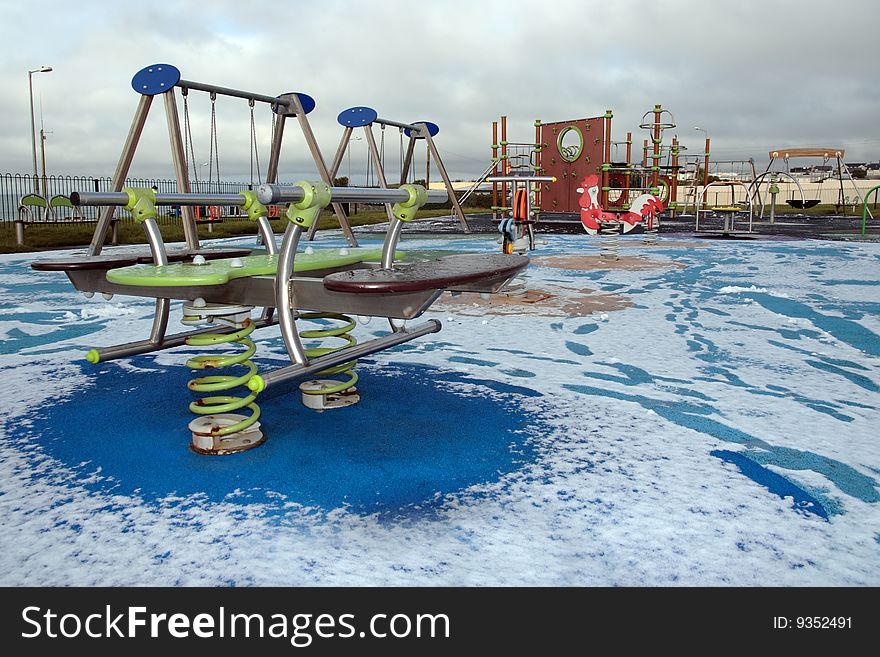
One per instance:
(34, 209)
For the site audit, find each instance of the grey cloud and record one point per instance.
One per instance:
(758, 75)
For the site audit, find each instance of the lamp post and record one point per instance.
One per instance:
(42, 69)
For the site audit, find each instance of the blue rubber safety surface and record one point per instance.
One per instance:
(705, 413)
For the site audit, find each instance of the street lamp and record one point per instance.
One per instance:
(42, 69)
(703, 130)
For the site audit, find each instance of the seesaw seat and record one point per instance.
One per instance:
(115, 260)
(447, 272)
(221, 272)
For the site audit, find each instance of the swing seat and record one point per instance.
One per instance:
(802, 204)
(477, 271)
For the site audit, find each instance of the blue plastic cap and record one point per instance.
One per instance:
(155, 79)
(307, 102)
(356, 117)
(433, 128)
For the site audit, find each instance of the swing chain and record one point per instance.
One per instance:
(189, 154)
(214, 152)
(382, 149)
(400, 156)
(255, 152)
(369, 174)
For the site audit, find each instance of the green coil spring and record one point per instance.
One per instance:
(342, 332)
(222, 383)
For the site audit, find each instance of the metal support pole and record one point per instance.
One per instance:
(235, 93)
(340, 152)
(495, 171)
(154, 239)
(606, 160)
(33, 128)
(865, 210)
(538, 168)
(122, 167)
(267, 193)
(147, 346)
(270, 194)
(377, 165)
(396, 124)
(315, 150)
(389, 246)
(283, 374)
(334, 168)
(673, 178)
(283, 275)
(178, 158)
(160, 321)
(407, 161)
(706, 170)
(627, 176)
(655, 158)
(275, 152)
(504, 161)
(160, 258)
(456, 206)
(774, 190)
(268, 236)
(43, 163)
(515, 179)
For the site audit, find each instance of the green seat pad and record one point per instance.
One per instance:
(220, 272)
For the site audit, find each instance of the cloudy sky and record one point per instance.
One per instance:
(756, 75)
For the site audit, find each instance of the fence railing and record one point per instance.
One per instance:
(15, 185)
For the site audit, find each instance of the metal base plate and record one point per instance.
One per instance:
(204, 443)
(327, 402)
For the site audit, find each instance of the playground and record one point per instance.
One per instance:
(706, 421)
(629, 404)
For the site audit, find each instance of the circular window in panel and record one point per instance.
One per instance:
(570, 143)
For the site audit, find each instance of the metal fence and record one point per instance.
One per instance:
(15, 185)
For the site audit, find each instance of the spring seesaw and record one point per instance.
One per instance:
(221, 288)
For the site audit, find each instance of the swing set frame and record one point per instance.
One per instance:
(162, 80)
(365, 117)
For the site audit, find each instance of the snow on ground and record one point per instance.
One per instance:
(721, 430)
